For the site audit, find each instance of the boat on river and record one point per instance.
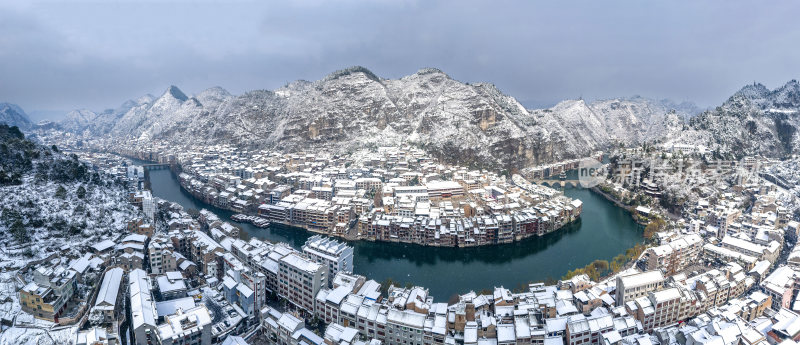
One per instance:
(257, 221)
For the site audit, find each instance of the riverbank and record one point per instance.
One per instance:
(458, 231)
(611, 198)
(603, 232)
(620, 204)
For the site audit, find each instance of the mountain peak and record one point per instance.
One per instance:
(787, 96)
(148, 98)
(753, 91)
(176, 93)
(219, 90)
(11, 106)
(790, 85)
(129, 104)
(13, 115)
(430, 70)
(212, 96)
(568, 104)
(350, 71)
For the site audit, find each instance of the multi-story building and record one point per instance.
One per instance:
(143, 309)
(663, 308)
(107, 297)
(190, 327)
(203, 251)
(769, 253)
(149, 206)
(633, 286)
(748, 308)
(369, 183)
(141, 226)
(160, 252)
(444, 189)
(782, 286)
(47, 296)
(719, 254)
(404, 327)
(336, 256)
(722, 218)
(315, 214)
(300, 279)
(329, 302)
(286, 329)
(582, 330)
(676, 255)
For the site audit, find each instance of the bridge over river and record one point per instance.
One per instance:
(557, 182)
(603, 232)
(156, 166)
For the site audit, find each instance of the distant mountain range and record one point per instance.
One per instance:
(755, 120)
(13, 115)
(474, 124)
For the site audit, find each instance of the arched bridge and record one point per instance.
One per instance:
(556, 183)
(156, 166)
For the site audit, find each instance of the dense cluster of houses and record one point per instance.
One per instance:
(396, 195)
(718, 279)
(638, 307)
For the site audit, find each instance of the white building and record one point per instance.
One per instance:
(171, 285)
(149, 206)
(106, 301)
(94, 336)
(404, 327)
(637, 285)
(190, 327)
(143, 310)
(160, 253)
(299, 280)
(336, 256)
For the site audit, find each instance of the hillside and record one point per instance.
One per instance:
(475, 124)
(48, 199)
(755, 120)
(13, 115)
(596, 125)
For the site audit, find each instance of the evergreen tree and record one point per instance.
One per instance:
(61, 193)
(18, 231)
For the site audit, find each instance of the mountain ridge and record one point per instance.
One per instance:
(352, 108)
(753, 121)
(13, 115)
(475, 124)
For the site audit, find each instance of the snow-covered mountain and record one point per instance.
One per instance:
(601, 123)
(353, 108)
(13, 115)
(91, 123)
(48, 197)
(755, 120)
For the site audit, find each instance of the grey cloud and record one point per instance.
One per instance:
(96, 55)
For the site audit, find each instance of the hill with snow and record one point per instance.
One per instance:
(754, 121)
(13, 115)
(474, 124)
(48, 199)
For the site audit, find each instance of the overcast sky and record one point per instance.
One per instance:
(67, 55)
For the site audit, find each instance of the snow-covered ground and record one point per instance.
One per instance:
(39, 336)
(59, 207)
(52, 221)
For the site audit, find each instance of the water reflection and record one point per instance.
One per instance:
(498, 254)
(603, 232)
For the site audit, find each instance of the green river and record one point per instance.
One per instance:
(603, 232)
